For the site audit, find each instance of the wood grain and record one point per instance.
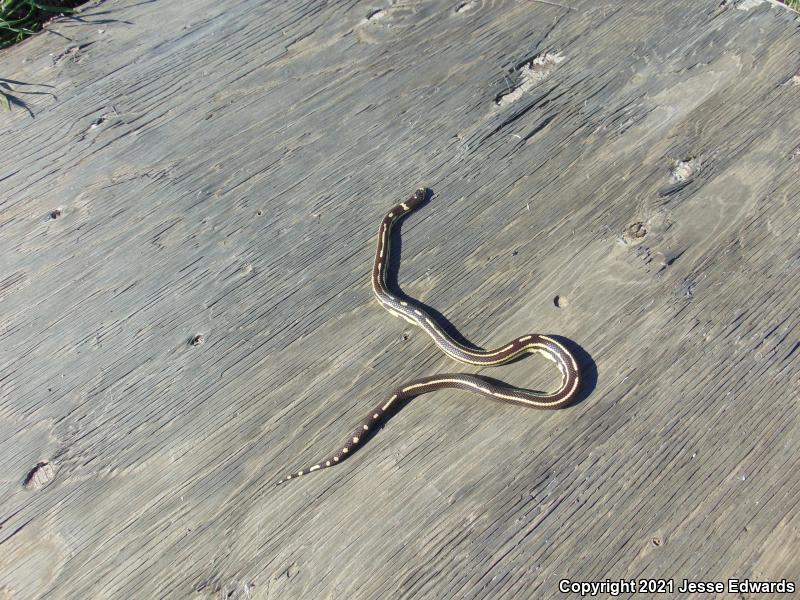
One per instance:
(189, 200)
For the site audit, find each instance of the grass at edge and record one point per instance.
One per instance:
(22, 18)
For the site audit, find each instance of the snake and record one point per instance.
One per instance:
(415, 313)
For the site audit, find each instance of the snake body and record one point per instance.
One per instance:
(416, 314)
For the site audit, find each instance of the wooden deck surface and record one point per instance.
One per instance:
(189, 201)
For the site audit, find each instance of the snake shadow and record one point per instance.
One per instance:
(588, 368)
(393, 270)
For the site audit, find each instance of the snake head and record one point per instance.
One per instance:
(417, 199)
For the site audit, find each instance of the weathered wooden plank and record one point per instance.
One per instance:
(197, 169)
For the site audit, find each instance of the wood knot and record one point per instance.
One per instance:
(38, 477)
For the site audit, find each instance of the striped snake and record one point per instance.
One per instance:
(415, 313)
